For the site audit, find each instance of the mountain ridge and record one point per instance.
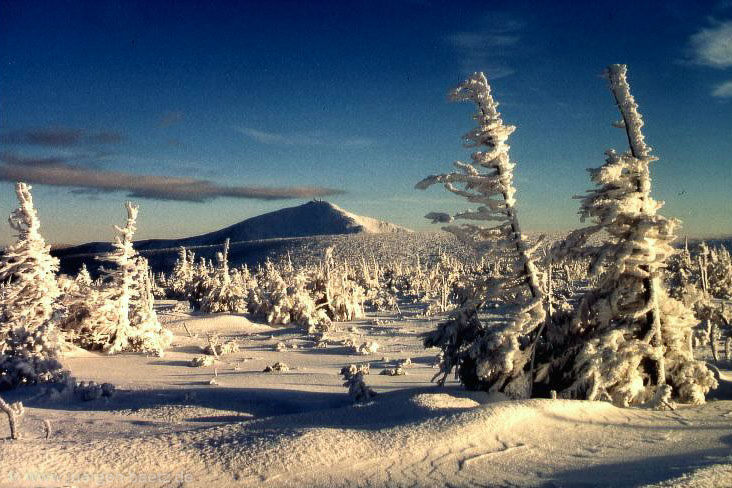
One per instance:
(311, 219)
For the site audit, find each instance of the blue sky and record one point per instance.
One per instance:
(207, 113)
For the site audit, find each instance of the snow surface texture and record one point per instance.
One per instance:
(284, 429)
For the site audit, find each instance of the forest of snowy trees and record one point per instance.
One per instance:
(610, 312)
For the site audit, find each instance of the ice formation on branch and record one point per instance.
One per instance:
(28, 289)
(490, 352)
(627, 341)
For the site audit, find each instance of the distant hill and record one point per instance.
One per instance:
(315, 218)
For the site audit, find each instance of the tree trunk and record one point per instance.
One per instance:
(14, 412)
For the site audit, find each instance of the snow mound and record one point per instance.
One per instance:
(386, 442)
(714, 476)
(219, 323)
(443, 401)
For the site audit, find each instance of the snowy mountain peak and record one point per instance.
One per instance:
(314, 218)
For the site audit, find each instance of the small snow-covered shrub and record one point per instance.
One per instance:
(203, 361)
(92, 390)
(276, 367)
(286, 299)
(398, 371)
(14, 411)
(368, 347)
(28, 287)
(358, 390)
(217, 348)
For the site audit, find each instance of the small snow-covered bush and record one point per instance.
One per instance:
(92, 390)
(398, 371)
(217, 348)
(358, 390)
(284, 298)
(14, 411)
(277, 367)
(202, 361)
(368, 347)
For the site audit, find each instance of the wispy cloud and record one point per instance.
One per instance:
(712, 46)
(485, 49)
(59, 137)
(170, 118)
(311, 138)
(57, 171)
(723, 90)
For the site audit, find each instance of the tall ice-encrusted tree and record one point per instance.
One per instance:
(28, 288)
(490, 349)
(628, 341)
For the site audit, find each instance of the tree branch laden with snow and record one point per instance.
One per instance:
(28, 290)
(490, 352)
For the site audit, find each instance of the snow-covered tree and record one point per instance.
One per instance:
(120, 313)
(490, 352)
(225, 294)
(358, 390)
(28, 289)
(340, 296)
(284, 297)
(201, 281)
(182, 275)
(717, 271)
(627, 341)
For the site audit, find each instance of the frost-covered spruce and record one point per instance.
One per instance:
(28, 288)
(284, 297)
(628, 341)
(682, 278)
(269, 300)
(717, 272)
(181, 277)
(339, 294)
(78, 297)
(490, 352)
(201, 282)
(121, 315)
(224, 294)
(303, 309)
